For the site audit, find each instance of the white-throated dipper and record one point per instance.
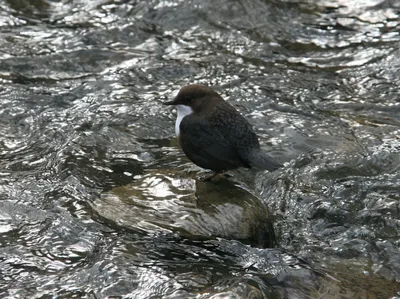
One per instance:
(214, 135)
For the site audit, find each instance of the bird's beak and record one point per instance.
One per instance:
(170, 102)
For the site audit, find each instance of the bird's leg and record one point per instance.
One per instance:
(210, 177)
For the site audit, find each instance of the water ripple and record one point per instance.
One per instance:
(97, 200)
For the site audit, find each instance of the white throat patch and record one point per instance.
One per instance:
(182, 111)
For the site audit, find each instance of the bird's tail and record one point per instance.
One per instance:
(261, 160)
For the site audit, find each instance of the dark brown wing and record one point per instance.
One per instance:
(236, 129)
(238, 132)
(205, 144)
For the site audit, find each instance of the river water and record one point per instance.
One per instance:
(97, 200)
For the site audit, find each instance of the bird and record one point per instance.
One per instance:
(214, 135)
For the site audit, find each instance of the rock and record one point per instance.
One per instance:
(155, 202)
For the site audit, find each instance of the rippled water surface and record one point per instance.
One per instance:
(97, 200)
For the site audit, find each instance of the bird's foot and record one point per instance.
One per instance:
(209, 177)
(215, 177)
(227, 175)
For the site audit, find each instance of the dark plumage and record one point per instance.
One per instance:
(215, 136)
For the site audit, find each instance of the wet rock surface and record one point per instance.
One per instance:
(190, 207)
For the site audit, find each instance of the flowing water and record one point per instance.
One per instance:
(97, 200)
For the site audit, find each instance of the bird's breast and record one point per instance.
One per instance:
(182, 111)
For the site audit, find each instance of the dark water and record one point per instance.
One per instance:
(97, 200)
